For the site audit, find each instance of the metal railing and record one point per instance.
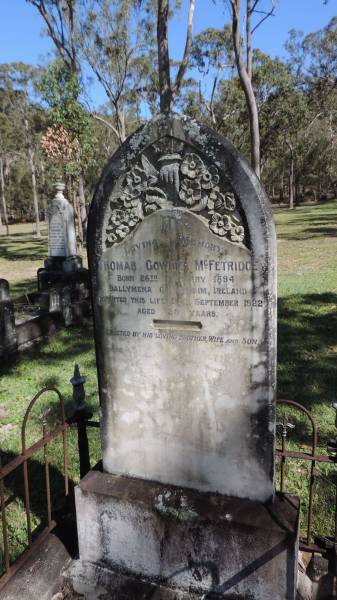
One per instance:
(22, 461)
(81, 418)
(320, 544)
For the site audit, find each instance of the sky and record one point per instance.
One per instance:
(22, 38)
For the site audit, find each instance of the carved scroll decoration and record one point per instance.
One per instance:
(179, 179)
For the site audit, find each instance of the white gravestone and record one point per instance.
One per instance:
(182, 257)
(61, 227)
(182, 261)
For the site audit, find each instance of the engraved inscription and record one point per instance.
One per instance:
(178, 282)
(56, 234)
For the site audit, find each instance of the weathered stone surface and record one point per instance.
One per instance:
(8, 334)
(188, 540)
(94, 582)
(61, 227)
(182, 257)
(40, 577)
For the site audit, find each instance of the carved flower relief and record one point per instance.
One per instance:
(120, 224)
(237, 233)
(197, 187)
(221, 202)
(220, 224)
(224, 225)
(136, 183)
(209, 178)
(190, 191)
(197, 182)
(192, 166)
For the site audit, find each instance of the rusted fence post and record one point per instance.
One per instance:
(80, 417)
(332, 547)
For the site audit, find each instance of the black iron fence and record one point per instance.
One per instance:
(81, 420)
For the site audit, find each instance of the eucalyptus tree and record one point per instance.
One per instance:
(60, 18)
(17, 80)
(244, 64)
(212, 55)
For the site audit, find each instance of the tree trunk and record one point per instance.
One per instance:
(165, 89)
(82, 207)
(35, 197)
(247, 87)
(78, 218)
(33, 177)
(3, 197)
(249, 56)
(291, 176)
(44, 200)
(121, 124)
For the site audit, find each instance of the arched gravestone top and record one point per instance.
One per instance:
(181, 247)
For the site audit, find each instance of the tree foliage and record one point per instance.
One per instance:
(296, 99)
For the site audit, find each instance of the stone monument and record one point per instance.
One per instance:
(182, 260)
(63, 266)
(8, 337)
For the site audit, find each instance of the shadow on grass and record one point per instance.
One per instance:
(18, 289)
(311, 225)
(307, 356)
(70, 345)
(22, 247)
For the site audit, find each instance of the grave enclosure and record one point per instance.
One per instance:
(182, 259)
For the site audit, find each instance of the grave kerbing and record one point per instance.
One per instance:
(182, 259)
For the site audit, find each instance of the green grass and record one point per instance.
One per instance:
(52, 365)
(21, 254)
(307, 359)
(307, 342)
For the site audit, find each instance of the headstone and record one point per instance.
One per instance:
(61, 226)
(8, 337)
(63, 267)
(182, 255)
(61, 234)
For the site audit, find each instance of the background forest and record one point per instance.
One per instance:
(48, 128)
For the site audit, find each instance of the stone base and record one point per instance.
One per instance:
(68, 264)
(8, 336)
(59, 278)
(184, 541)
(72, 264)
(94, 582)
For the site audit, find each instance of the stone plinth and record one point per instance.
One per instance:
(48, 278)
(177, 539)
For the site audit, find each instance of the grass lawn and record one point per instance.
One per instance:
(21, 254)
(307, 352)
